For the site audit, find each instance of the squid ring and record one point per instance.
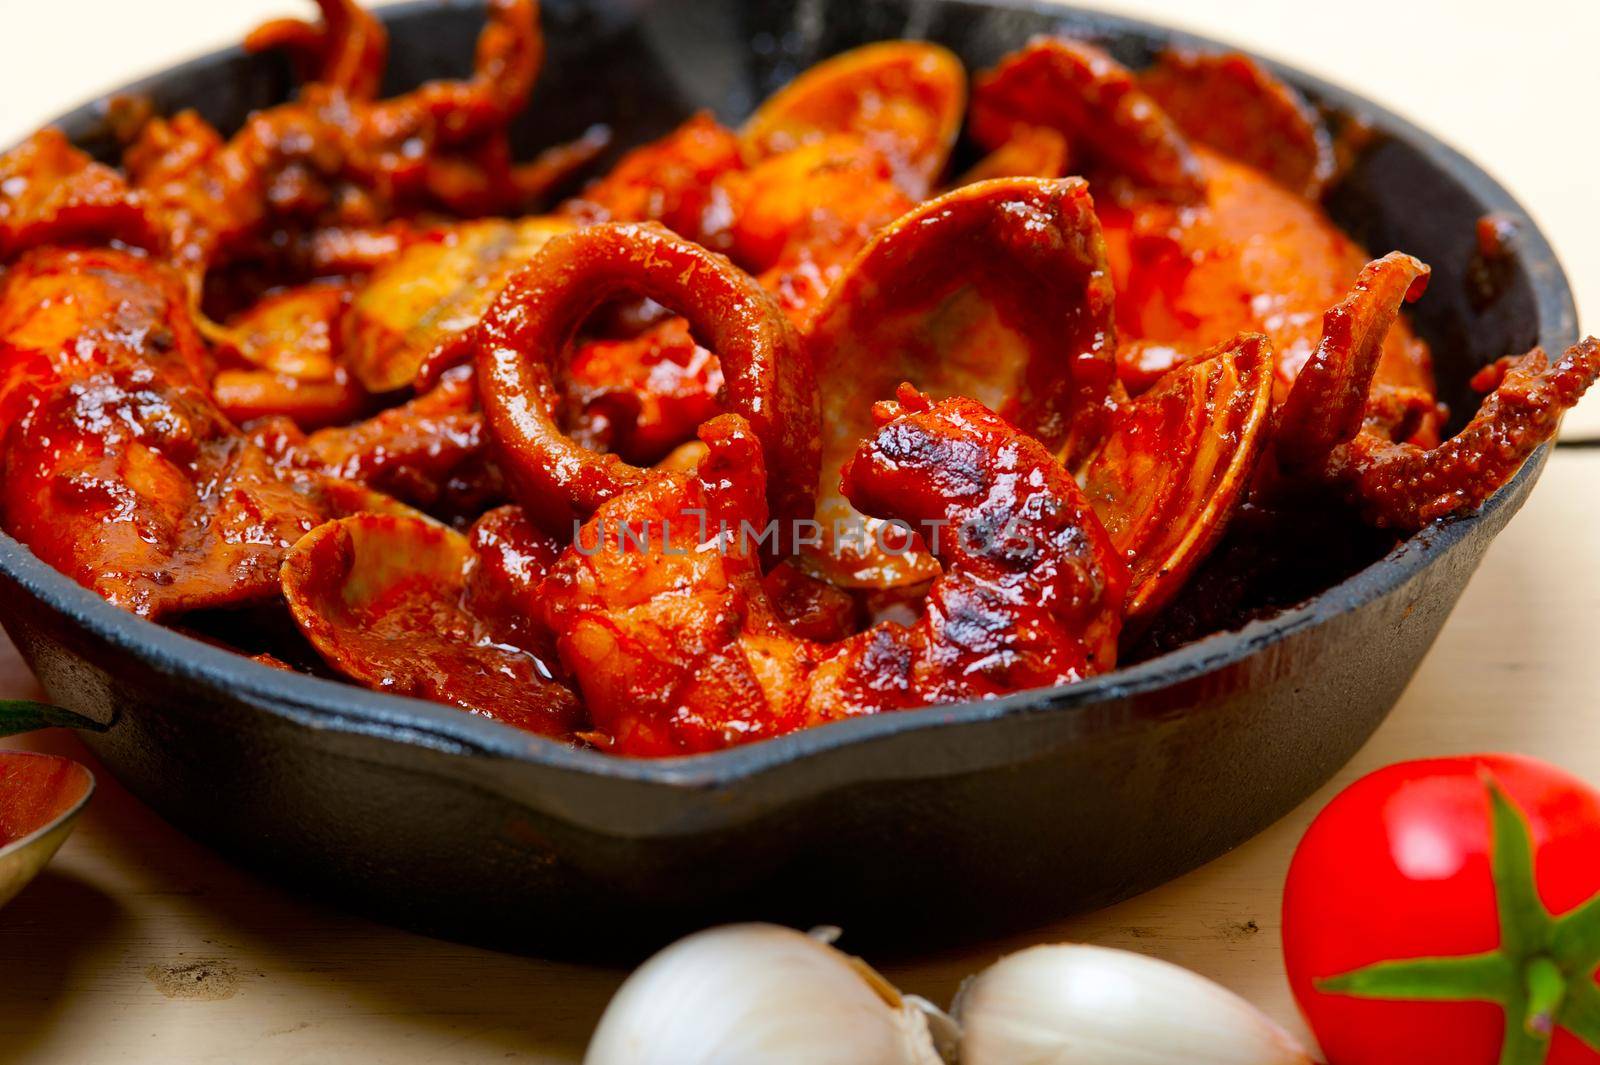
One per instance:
(523, 338)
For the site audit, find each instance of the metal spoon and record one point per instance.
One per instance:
(41, 795)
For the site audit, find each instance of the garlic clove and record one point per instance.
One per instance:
(756, 994)
(1081, 1005)
(943, 1031)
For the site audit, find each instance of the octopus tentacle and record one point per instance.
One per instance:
(336, 156)
(1403, 486)
(345, 52)
(509, 58)
(1094, 102)
(1338, 429)
(521, 351)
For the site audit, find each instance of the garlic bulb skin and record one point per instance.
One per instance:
(758, 994)
(1080, 1005)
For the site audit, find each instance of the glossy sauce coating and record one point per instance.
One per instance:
(1328, 403)
(432, 293)
(65, 313)
(54, 194)
(1095, 103)
(338, 337)
(794, 219)
(998, 291)
(339, 156)
(136, 487)
(677, 648)
(1254, 258)
(384, 599)
(1232, 104)
(119, 470)
(431, 452)
(1177, 463)
(523, 337)
(284, 358)
(672, 181)
(903, 98)
(1398, 484)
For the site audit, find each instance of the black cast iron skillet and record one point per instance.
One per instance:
(911, 825)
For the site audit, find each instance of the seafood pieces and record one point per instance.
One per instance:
(679, 649)
(875, 400)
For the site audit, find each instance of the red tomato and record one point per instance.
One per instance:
(1424, 860)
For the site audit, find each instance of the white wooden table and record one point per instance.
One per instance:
(139, 946)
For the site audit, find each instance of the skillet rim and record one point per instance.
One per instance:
(337, 706)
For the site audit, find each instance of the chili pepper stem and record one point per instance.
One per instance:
(18, 716)
(1547, 989)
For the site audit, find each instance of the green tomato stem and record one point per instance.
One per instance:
(1542, 974)
(1547, 990)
